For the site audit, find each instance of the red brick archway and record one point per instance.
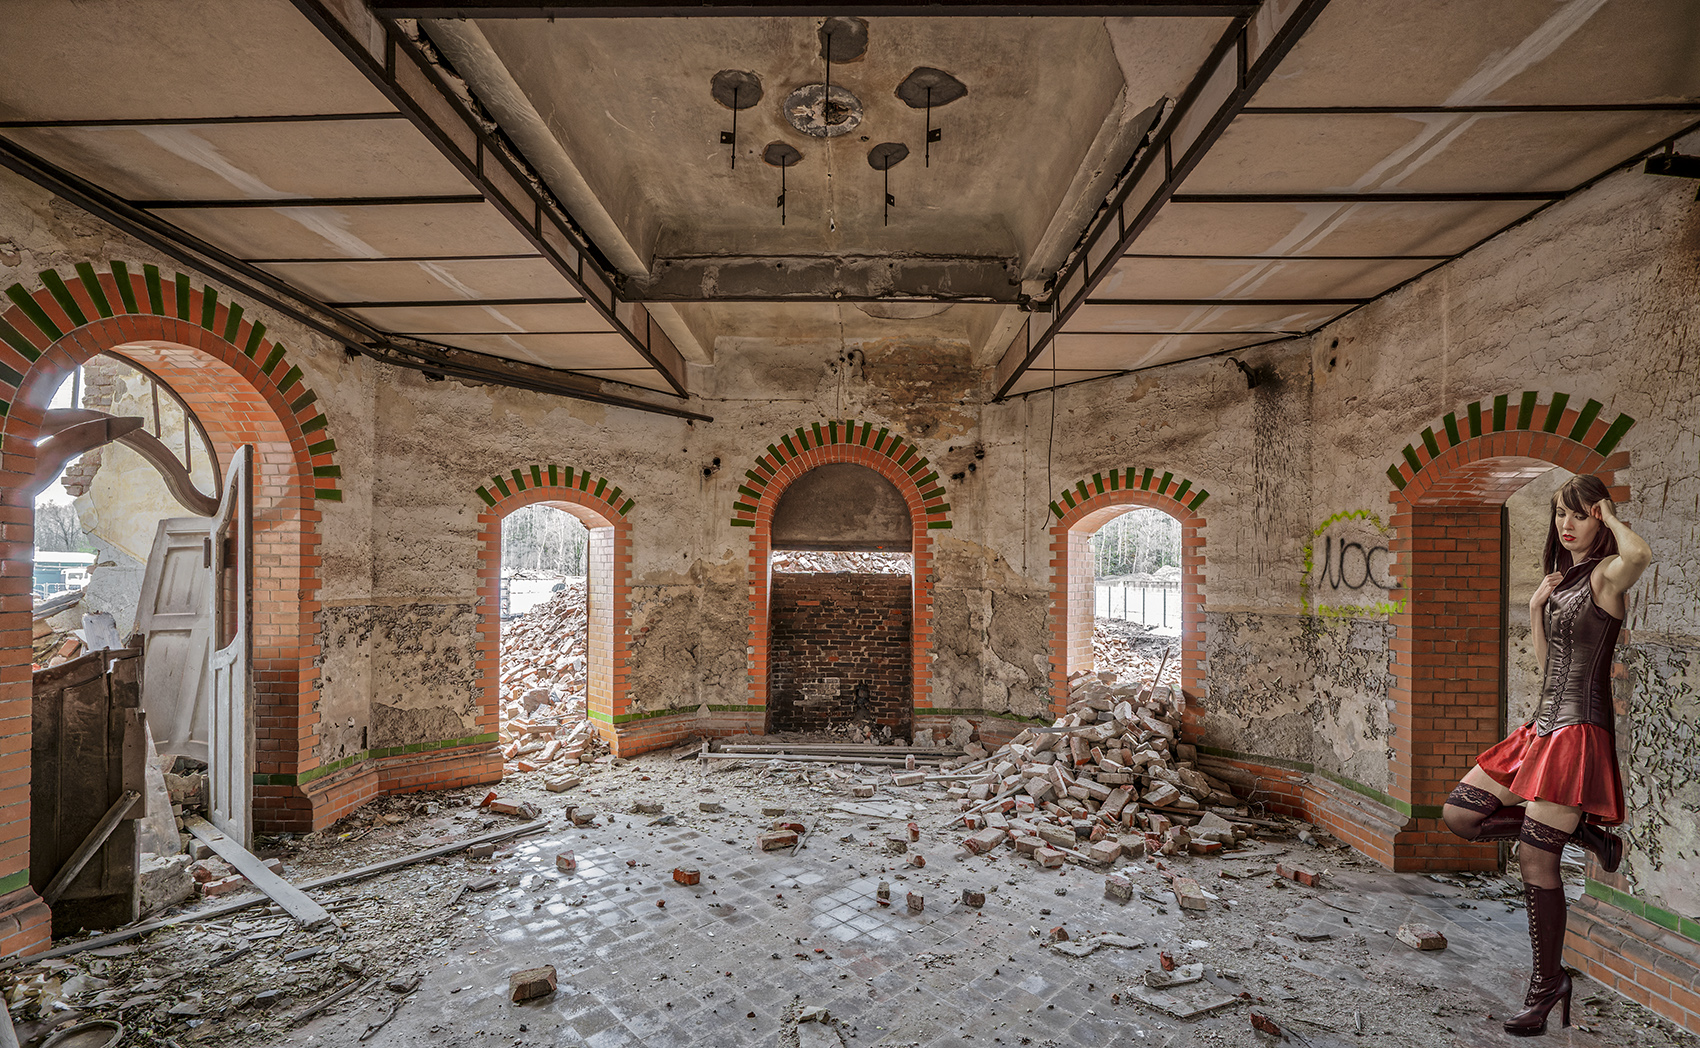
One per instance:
(1077, 515)
(858, 444)
(602, 508)
(244, 391)
(1449, 635)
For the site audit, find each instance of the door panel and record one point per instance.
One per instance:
(175, 620)
(231, 742)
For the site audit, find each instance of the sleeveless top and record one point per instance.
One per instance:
(1580, 640)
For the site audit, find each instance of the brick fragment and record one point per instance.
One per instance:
(777, 839)
(1190, 895)
(525, 809)
(1049, 858)
(917, 902)
(912, 778)
(562, 783)
(225, 886)
(896, 844)
(973, 898)
(481, 851)
(1104, 852)
(862, 791)
(984, 841)
(1303, 875)
(1421, 937)
(1118, 888)
(566, 862)
(687, 875)
(917, 859)
(531, 983)
(1263, 1024)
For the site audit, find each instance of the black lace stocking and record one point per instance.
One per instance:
(1538, 852)
(1467, 808)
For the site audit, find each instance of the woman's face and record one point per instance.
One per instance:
(1577, 528)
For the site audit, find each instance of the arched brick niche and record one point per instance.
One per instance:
(602, 507)
(804, 449)
(1448, 548)
(1076, 515)
(245, 391)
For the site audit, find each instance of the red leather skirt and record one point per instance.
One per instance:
(1575, 766)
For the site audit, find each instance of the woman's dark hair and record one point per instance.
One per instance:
(1579, 493)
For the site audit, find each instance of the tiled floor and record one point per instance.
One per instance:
(726, 962)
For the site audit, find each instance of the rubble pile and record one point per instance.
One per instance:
(817, 562)
(1136, 653)
(1108, 779)
(544, 667)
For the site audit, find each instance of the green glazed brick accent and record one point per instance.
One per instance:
(21, 879)
(678, 711)
(1129, 479)
(63, 289)
(302, 779)
(1686, 927)
(541, 476)
(96, 293)
(1410, 811)
(1499, 419)
(832, 432)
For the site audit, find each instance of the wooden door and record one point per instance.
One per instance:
(174, 619)
(231, 731)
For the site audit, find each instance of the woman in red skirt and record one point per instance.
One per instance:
(1555, 779)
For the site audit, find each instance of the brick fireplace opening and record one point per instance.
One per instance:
(841, 606)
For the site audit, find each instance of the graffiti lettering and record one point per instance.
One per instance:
(1355, 566)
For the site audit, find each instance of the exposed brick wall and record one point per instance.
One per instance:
(840, 651)
(1643, 960)
(863, 445)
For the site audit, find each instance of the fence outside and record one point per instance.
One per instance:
(1156, 605)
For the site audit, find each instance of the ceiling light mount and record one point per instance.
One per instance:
(884, 157)
(735, 89)
(782, 156)
(926, 88)
(820, 111)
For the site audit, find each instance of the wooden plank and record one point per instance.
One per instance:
(375, 869)
(286, 895)
(91, 844)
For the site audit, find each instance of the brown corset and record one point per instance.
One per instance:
(1580, 641)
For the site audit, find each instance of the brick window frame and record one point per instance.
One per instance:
(855, 443)
(602, 508)
(244, 390)
(1447, 549)
(1079, 513)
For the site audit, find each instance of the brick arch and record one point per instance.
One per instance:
(857, 443)
(602, 507)
(1448, 548)
(244, 391)
(1077, 514)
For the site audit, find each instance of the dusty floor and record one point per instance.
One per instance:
(731, 960)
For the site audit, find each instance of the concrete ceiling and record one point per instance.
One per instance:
(1112, 193)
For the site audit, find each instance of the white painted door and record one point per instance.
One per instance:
(231, 737)
(174, 618)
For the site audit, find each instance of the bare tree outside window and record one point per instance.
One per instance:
(58, 529)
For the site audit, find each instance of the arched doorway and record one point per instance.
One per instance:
(1077, 515)
(1450, 540)
(601, 507)
(245, 391)
(842, 600)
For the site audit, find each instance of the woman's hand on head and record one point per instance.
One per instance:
(1545, 589)
(1604, 511)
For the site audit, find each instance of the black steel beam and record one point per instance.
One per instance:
(432, 303)
(339, 259)
(194, 121)
(1280, 337)
(1361, 198)
(243, 202)
(1291, 258)
(395, 65)
(1603, 107)
(290, 301)
(1224, 302)
(1238, 65)
(783, 8)
(1201, 331)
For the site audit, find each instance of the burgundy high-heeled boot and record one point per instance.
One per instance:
(1606, 846)
(1550, 983)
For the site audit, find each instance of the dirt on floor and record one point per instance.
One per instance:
(1315, 959)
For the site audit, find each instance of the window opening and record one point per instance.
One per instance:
(1136, 567)
(545, 599)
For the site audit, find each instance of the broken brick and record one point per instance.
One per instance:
(687, 875)
(1421, 937)
(1303, 875)
(566, 861)
(1190, 895)
(531, 983)
(1118, 888)
(973, 898)
(777, 839)
(917, 902)
(984, 841)
(562, 783)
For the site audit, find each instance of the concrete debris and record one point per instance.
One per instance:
(1421, 937)
(1180, 976)
(531, 983)
(544, 666)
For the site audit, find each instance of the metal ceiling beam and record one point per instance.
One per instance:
(281, 202)
(396, 66)
(1602, 107)
(909, 277)
(1224, 302)
(1361, 198)
(195, 121)
(1241, 61)
(340, 259)
(1292, 258)
(433, 303)
(780, 8)
(290, 301)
